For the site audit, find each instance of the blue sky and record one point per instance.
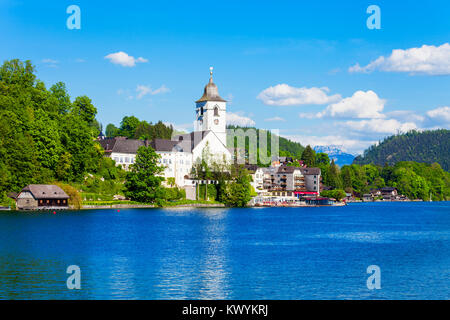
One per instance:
(311, 69)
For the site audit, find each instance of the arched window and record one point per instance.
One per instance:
(216, 111)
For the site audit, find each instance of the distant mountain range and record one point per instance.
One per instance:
(335, 152)
(421, 146)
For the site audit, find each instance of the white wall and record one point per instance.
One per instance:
(216, 147)
(209, 119)
(124, 159)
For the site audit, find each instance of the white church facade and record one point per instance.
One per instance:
(179, 154)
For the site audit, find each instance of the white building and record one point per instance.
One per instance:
(179, 154)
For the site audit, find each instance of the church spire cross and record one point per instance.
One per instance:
(210, 74)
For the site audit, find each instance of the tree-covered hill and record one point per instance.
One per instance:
(426, 146)
(287, 148)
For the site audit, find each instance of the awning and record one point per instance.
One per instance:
(305, 192)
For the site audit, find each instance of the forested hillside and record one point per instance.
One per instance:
(286, 147)
(427, 146)
(133, 128)
(44, 135)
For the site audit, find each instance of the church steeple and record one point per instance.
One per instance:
(211, 92)
(211, 111)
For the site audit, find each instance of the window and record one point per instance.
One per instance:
(127, 159)
(216, 111)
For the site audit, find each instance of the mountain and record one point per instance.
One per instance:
(335, 152)
(425, 146)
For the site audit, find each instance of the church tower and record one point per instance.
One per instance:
(211, 111)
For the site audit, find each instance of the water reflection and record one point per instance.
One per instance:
(198, 269)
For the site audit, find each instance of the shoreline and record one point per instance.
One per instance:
(140, 206)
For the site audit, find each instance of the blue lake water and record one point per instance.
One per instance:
(266, 253)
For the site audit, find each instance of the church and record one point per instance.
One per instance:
(179, 154)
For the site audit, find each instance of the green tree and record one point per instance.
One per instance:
(322, 158)
(238, 192)
(128, 126)
(83, 107)
(309, 156)
(111, 131)
(337, 194)
(143, 183)
(334, 178)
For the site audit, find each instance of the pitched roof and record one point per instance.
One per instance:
(210, 93)
(251, 167)
(120, 145)
(164, 145)
(46, 191)
(107, 144)
(310, 171)
(287, 169)
(192, 139)
(388, 189)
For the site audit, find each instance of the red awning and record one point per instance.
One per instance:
(305, 192)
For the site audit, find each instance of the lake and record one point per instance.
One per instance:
(252, 253)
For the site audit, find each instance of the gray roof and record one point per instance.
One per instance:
(128, 146)
(210, 93)
(46, 191)
(121, 145)
(191, 139)
(165, 145)
(287, 169)
(310, 171)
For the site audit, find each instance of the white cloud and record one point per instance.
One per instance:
(123, 59)
(429, 60)
(50, 63)
(438, 117)
(378, 126)
(142, 91)
(405, 115)
(183, 127)
(360, 105)
(229, 97)
(353, 146)
(285, 95)
(145, 90)
(239, 120)
(275, 119)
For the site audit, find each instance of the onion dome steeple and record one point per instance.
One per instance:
(211, 92)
